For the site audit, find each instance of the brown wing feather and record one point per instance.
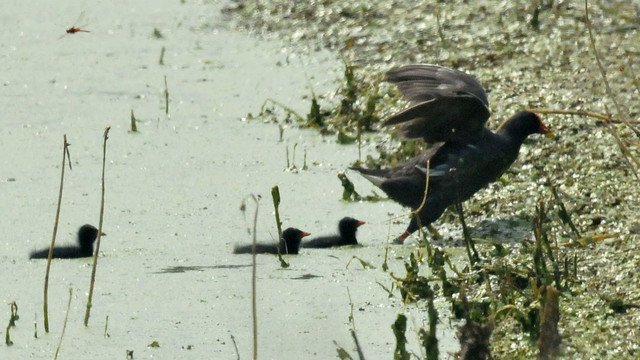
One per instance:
(420, 83)
(460, 119)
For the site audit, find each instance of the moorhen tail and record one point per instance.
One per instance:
(449, 110)
(347, 228)
(87, 235)
(288, 244)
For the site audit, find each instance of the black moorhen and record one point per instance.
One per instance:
(347, 228)
(449, 110)
(87, 235)
(289, 244)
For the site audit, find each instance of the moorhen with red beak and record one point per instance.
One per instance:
(87, 235)
(449, 110)
(288, 244)
(347, 228)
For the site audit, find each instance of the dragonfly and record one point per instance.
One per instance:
(75, 28)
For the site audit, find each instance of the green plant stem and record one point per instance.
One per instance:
(65, 154)
(166, 96)
(64, 326)
(95, 256)
(254, 305)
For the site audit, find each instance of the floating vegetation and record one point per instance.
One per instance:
(157, 34)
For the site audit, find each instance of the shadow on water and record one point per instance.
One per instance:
(183, 269)
(306, 277)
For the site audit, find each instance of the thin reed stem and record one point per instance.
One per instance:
(254, 305)
(65, 155)
(64, 326)
(95, 256)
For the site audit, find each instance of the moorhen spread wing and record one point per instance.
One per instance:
(449, 109)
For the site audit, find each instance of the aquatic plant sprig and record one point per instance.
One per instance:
(134, 127)
(161, 60)
(342, 353)
(275, 195)
(64, 325)
(413, 286)
(287, 109)
(97, 252)
(166, 96)
(254, 271)
(66, 157)
(543, 247)
(106, 327)
(365, 264)
(473, 335)
(549, 339)
(350, 194)
(356, 113)
(399, 328)
(12, 322)
(428, 337)
(14, 313)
